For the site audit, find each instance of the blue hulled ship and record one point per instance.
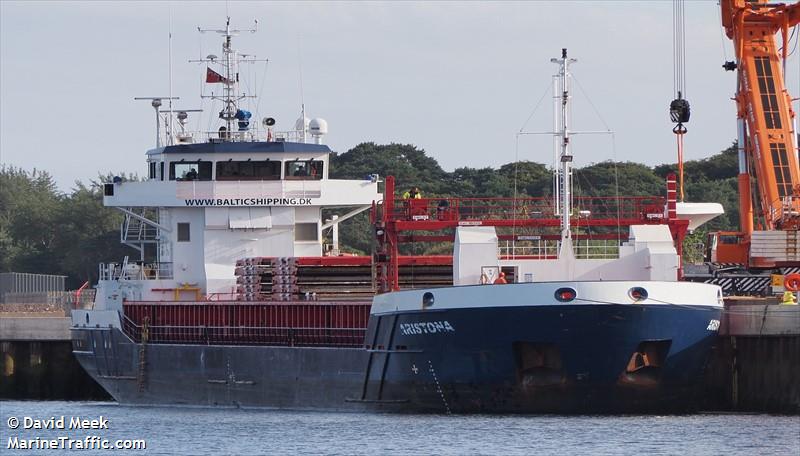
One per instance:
(241, 295)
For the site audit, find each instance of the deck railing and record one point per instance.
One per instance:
(249, 323)
(254, 133)
(637, 208)
(135, 271)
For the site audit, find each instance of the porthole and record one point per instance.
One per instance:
(565, 294)
(637, 293)
(427, 299)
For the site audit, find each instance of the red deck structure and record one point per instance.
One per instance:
(400, 220)
(290, 323)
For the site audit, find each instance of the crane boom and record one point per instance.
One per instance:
(767, 139)
(764, 106)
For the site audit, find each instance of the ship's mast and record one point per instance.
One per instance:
(230, 61)
(565, 184)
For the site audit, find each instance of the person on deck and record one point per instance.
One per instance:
(789, 298)
(501, 279)
(414, 193)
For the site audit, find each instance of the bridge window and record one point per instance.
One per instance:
(186, 171)
(249, 170)
(304, 170)
(152, 170)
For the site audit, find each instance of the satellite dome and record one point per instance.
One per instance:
(318, 127)
(301, 124)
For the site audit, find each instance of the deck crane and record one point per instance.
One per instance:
(769, 174)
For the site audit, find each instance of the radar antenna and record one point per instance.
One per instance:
(156, 102)
(229, 77)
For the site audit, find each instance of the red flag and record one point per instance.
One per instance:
(213, 77)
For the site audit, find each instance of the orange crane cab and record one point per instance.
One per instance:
(726, 247)
(766, 138)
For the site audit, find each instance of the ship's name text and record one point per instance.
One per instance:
(430, 327)
(248, 202)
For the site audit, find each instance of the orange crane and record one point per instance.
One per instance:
(767, 139)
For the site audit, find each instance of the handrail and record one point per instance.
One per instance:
(247, 335)
(136, 271)
(249, 323)
(585, 208)
(291, 303)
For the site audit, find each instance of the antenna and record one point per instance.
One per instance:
(171, 133)
(182, 116)
(300, 74)
(155, 102)
(230, 61)
(563, 170)
(566, 158)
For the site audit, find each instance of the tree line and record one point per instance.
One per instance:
(44, 230)
(713, 179)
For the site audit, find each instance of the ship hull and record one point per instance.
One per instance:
(548, 359)
(521, 359)
(220, 375)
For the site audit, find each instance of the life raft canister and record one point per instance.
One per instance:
(792, 282)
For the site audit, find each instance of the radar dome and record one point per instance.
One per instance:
(301, 124)
(318, 127)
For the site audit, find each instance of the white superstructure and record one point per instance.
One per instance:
(212, 198)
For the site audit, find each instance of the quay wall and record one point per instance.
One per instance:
(36, 361)
(755, 366)
(44, 370)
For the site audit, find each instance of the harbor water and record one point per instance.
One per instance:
(198, 431)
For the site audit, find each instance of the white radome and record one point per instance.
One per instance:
(301, 124)
(318, 127)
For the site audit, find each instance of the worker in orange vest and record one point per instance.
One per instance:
(501, 279)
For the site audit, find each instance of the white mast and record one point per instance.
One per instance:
(230, 61)
(556, 146)
(156, 102)
(171, 132)
(562, 156)
(566, 157)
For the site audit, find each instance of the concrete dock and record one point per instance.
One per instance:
(36, 360)
(755, 366)
(34, 328)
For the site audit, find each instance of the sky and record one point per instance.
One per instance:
(457, 79)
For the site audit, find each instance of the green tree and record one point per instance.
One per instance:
(45, 231)
(618, 179)
(89, 234)
(29, 203)
(409, 165)
(532, 179)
